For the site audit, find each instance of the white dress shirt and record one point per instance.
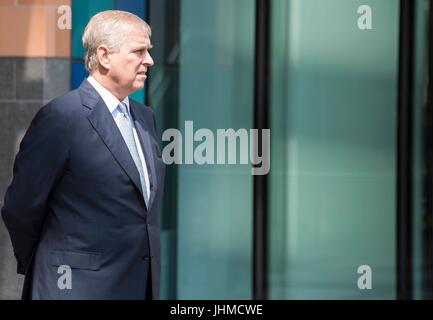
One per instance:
(112, 103)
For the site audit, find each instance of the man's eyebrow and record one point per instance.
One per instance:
(142, 47)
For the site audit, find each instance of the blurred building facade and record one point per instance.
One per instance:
(333, 107)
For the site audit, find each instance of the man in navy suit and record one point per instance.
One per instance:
(83, 206)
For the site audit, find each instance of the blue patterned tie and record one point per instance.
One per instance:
(125, 126)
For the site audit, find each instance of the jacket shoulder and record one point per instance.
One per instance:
(66, 102)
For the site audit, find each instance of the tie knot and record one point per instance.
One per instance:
(123, 108)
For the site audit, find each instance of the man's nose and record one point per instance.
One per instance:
(148, 60)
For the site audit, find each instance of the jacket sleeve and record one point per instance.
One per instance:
(38, 166)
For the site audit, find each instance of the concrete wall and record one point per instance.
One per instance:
(34, 68)
(26, 84)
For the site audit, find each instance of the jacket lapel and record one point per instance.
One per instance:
(103, 122)
(144, 135)
(146, 146)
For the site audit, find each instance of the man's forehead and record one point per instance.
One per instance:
(138, 39)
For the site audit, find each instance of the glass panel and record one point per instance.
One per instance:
(83, 11)
(215, 90)
(138, 95)
(215, 202)
(137, 7)
(333, 172)
(78, 74)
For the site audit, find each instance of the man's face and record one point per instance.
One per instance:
(128, 67)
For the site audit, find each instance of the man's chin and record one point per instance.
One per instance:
(138, 85)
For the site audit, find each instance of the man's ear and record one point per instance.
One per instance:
(103, 56)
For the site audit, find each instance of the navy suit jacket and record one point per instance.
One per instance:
(76, 200)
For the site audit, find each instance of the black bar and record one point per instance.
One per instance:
(427, 218)
(261, 121)
(404, 151)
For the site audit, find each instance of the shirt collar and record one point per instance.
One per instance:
(110, 100)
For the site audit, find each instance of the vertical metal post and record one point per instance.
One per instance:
(404, 151)
(262, 80)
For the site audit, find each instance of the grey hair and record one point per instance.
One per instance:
(111, 28)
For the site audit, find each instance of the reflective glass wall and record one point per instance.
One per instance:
(204, 79)
(333, 121)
